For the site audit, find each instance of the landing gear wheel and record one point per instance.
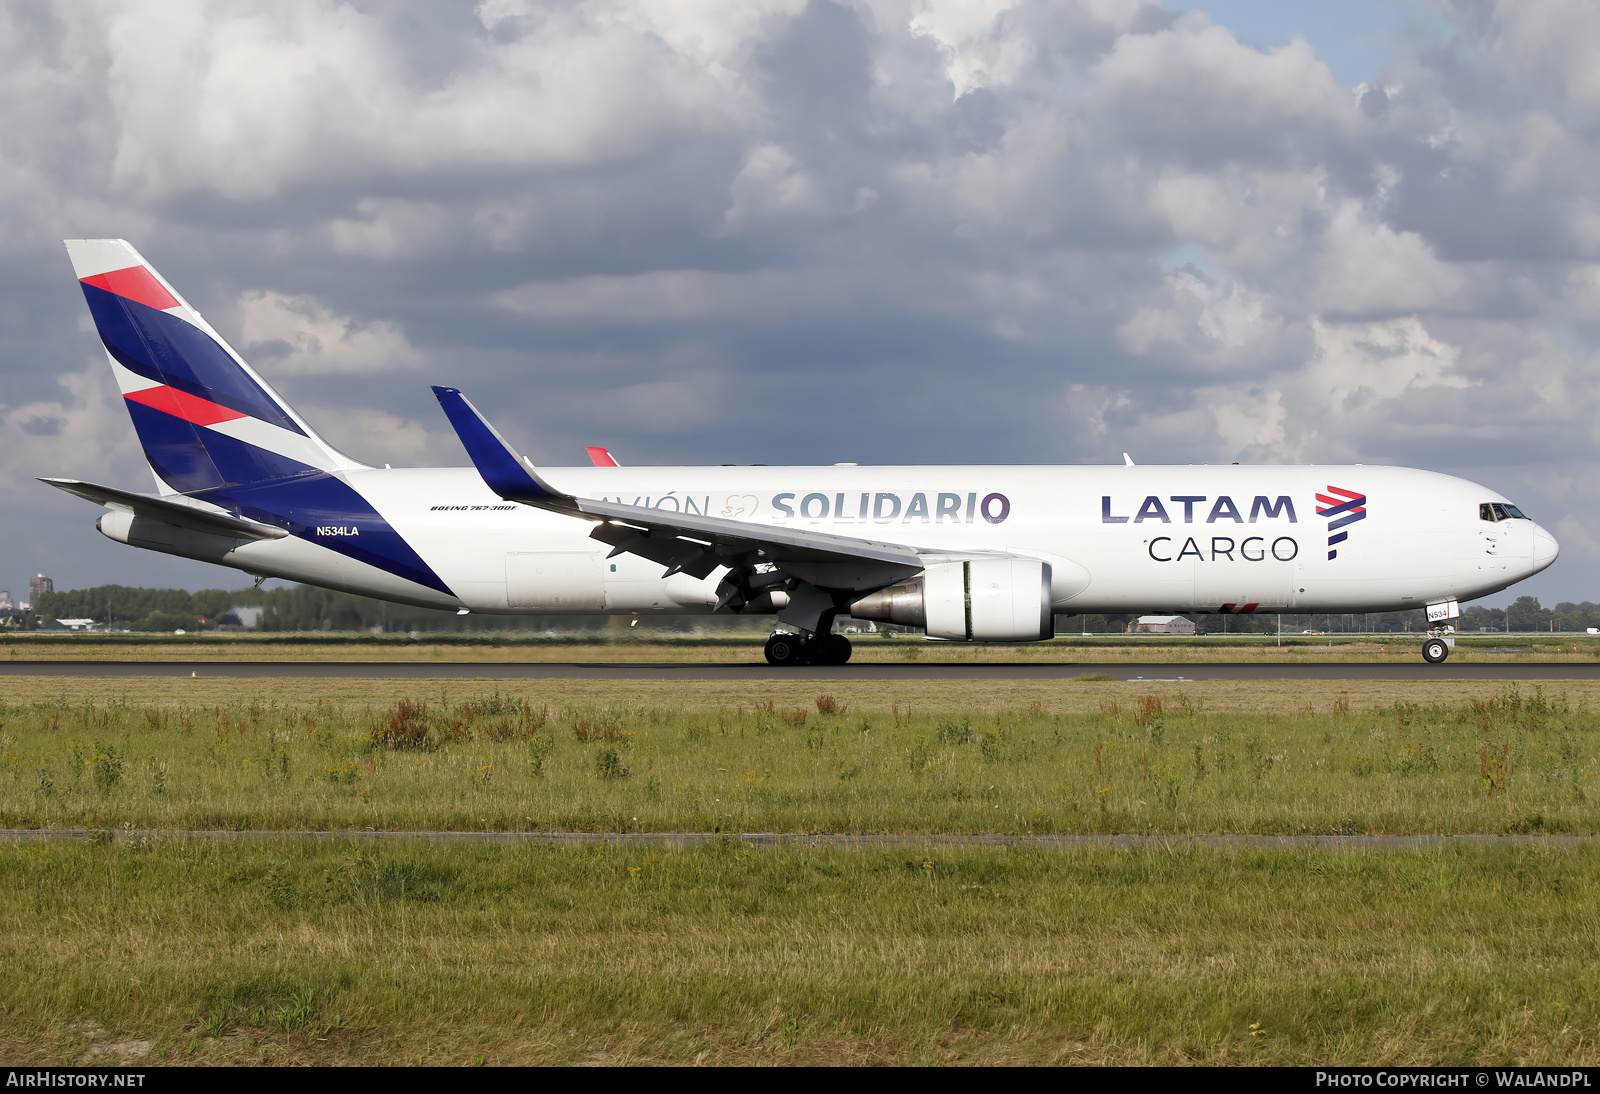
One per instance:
(830, 649)
(1435, 650)
(785, 649)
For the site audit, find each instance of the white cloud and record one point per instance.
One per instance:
(1251, 425)
(1362, 379)
(245, 102)
(82, 433)
(377, 437)
(1358, 366)
(390, 228)
(771, 184)
(683, 296)
(1369, 267)
(1256, 221)
(1539, 41)
(1199, 78)
(659, 296)
(681, 405)
(610, 213)
(1217, 323)
(301, 336)
(972, 41)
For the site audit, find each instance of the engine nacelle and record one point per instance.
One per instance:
(158, 535)
(982, 600)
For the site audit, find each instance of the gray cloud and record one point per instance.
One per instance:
(888, 230)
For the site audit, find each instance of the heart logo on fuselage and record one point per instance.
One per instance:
(741, 505)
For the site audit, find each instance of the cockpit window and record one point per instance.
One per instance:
(1499, 510)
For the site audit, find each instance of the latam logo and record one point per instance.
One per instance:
(1344, 509)
(1223, 509)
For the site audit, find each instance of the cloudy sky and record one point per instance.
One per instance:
(717, 231)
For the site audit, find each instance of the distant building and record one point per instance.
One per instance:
(247, 614)
(38, 585)
(5, 601)
(1163, 624)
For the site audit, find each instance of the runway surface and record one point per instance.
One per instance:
(682, 840)
(1180, 672)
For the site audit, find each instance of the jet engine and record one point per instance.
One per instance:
(980, 600)
(158, 535)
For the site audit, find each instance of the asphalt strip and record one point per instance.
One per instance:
(1139, 672)
(684, 840)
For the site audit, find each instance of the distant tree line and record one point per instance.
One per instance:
(300, 608)
(1346, 623)
(1526, 614)
(161, 609)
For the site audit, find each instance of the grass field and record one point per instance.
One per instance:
(1107, 649)
(1118, 760)
(129, 948)
(327, 953)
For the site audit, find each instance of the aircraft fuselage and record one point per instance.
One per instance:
(1119, 539)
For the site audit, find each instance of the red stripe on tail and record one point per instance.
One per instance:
(180, 404)
(137, 284)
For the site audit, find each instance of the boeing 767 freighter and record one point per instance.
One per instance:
(968, 553)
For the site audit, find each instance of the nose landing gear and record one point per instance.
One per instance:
(1437, 647)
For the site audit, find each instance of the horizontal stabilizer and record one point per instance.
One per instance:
(165, 509)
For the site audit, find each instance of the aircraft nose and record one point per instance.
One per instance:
(1545, 548)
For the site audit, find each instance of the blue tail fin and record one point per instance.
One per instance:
(204, 417)
(214, 430)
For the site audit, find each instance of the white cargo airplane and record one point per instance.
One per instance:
(969, 553)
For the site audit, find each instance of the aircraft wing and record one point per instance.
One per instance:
(686, 542)
(180, 514)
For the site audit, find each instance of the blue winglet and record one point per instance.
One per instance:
(502, 469)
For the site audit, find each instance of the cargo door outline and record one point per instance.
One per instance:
(566, 581)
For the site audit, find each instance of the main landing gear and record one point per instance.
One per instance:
(816, 649)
